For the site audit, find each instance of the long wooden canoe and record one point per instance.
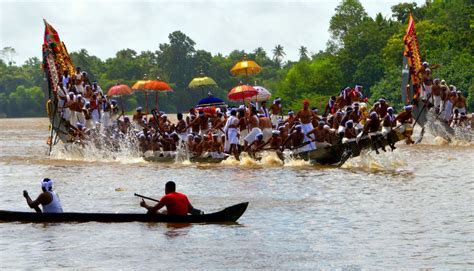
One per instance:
(336, 154)
(229, 214)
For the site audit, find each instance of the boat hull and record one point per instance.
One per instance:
(229, 214)
(336, 153)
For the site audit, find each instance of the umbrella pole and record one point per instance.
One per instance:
(123, 107)
(156, 100)
(146, 103)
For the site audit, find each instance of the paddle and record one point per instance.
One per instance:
(145, 197)
(28, 199)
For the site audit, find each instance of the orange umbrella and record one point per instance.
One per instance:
(119, 90)
(241, 92)
(158, 86)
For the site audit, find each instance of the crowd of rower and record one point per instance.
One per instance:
(221, 131)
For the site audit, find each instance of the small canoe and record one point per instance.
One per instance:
(229, 214)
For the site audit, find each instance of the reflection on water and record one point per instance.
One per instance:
(408, 209)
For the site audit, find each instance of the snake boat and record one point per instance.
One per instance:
(229, 214)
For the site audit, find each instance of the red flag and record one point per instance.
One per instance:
(412, 52)
(51, 36)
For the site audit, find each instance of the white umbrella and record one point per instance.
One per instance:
(262, 95)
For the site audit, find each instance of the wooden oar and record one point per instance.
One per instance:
(145, 197)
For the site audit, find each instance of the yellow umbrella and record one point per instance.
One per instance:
(202, 82)
(140, 85)
(246, 67)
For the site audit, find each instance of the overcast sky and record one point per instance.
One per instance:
(103, 27)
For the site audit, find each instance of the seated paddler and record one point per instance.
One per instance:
(176, 203)
(48, 199)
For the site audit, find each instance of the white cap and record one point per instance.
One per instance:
(47, 183)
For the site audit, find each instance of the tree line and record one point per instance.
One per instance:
(362, 50)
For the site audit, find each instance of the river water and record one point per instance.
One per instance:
(413, 208)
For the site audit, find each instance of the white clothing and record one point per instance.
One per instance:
(386, 130)
(274, 119)
(54, 206)
(106, 119)
(267, 134)
(306, 128)
(95, 115)
(252, 136)
(448, 110)
(437, 101)
(233, 136)
(347, 140)
(426, 92)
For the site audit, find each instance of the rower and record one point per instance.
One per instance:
(305, 115)
(297, 140)
(350, 134)
(232, 133)
(371, 128)
(253, 126)
(406, 118)
(49, 200)
(276, 110)
(257, 144)
(387, 126)
(176, 203)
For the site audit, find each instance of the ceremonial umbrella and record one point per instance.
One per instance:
(262, 95)
(119, 90)
(210, 101)
(245, 67)
(202, 82)
(157, 86)
(140, 86)
(241, 92)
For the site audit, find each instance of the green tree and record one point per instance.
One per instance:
(303, 52)
(349, 14)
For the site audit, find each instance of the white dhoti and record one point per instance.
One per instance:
(426, 92)
(80, 89)
(267, 134)
(348, 140)
(448, 110)
(274, 119)
(95, 115)
(90, 124)
(105, 119)
(243, 134)
(341, 129)
(386, 130)
(73, 118)
(233, 136)
(80, 118)
(437, 101)
(66, 113)
(250, 138)
(306, 128)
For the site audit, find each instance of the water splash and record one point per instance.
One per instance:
(383, 162)
(101, 146)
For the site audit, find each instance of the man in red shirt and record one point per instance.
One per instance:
(176, 203)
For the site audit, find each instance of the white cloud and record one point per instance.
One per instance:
(106, 26)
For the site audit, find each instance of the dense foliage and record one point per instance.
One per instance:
(362, 50)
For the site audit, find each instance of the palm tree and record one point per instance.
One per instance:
(278, 53)
(303, 52)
